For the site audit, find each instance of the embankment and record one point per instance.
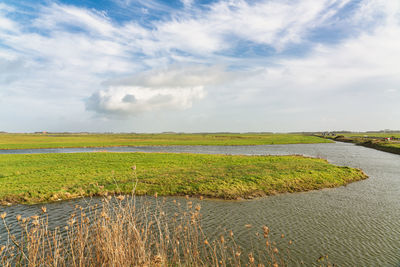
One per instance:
(379, 144)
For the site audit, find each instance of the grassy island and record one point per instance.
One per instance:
(48, 140)
(48, 177)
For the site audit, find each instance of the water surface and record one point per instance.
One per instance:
(356, 225)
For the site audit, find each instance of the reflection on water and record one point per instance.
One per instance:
(356, 225)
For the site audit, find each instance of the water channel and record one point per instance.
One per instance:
(356, 225)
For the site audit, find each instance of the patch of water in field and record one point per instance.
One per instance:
(356, 225)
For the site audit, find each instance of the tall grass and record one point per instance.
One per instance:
(120, 233)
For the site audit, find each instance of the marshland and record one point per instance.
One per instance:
(304, 227)
(199, 133)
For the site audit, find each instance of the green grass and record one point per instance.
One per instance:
(34, 178)
(361, 134)
(396, 145)
(25, 141)
(392, 146)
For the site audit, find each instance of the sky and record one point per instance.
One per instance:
(199, 65)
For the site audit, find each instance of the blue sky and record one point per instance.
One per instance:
(192, 65)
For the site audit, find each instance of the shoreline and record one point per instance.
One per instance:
(199, 197)
(370, 143)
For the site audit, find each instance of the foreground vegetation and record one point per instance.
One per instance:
(27, 141)
(34, 178)
(123, 233)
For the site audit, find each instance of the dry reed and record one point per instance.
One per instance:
(120, 232)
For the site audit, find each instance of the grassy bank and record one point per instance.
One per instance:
(369, 134)
(25, 141)
(48, 177)
(376, 142)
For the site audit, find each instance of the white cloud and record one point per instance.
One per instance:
(7, 24)
(351, 85)
(176, 76)
(108, 61)
(197, 32)
(176, 87)
(56, 17)
(366, 64)
(371, 55)
(58, 63)
(273, 23)
(132, 100)
(187, 3)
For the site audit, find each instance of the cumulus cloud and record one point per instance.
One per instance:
(176, 76)
(132, 100)
(175, 87)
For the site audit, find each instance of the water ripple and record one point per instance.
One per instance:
(356, 225)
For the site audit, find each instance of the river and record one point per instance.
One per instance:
(356, 225)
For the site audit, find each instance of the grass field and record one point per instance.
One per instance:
(47, 177)
(388, 146)
(395, 145)
(24, 141)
